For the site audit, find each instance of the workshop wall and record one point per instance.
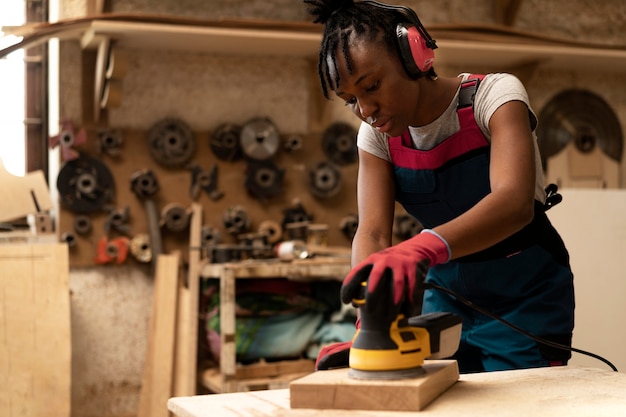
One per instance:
(111, 304)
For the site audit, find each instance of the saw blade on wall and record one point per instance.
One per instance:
(582, 117)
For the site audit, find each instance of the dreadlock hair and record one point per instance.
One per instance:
(341, 19)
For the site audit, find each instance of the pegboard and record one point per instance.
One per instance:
(175, 186)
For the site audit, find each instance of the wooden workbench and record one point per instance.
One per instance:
(317, 268)
(542, 392)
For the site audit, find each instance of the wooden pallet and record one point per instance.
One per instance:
(259, 376)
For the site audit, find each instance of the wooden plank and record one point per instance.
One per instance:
(228, 348)
(305, 269)
(183, 385)
(334, 389)
(35, 340)
(187, 328)
(156, 386)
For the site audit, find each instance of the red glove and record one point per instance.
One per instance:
(335, 355)
(421, 251)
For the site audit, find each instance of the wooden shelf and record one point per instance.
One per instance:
(459, 45)
(303, 269)
(511, 55)
(226, 379)
(215, 40)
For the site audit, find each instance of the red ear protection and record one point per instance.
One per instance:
(415, 44)
(415, 52)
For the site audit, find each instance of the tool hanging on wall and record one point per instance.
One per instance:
(69, 239)
(325, 180)
(259, 139)
(114, 250)
(406, 226)
(225, 142)
(296, 231)
(82, 225)
(293, 143)
(204, 180)
(295, 213)
(255, 246)
(85, 185)
(236, 220)
(67, 138)
(264, 179)
(209, 236)
(171, 143)
(110, 142)
(225, 253)
(272, 229)
(339, 143)
(348, 225)
(140, 248)
(117, 220)
(144, 185)
(175, 217)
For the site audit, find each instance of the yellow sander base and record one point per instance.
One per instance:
(335, 389)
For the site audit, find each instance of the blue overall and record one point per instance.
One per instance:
(526, 279)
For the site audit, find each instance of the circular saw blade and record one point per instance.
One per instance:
(581, 117)
(171, 142)
(259, 139)
(339, 143)
(85, 185)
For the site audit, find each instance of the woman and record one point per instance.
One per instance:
(459, 153)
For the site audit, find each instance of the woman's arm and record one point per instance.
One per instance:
(376, 203)
(510, 205)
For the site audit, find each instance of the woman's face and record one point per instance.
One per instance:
(378, 90)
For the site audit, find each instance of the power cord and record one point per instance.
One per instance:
(517, 328)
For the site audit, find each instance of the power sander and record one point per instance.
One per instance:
(391, 344)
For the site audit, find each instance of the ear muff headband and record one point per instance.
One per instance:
(415, 44)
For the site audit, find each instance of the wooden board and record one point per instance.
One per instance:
(186, 353)
(334, 389)
(35, 341)
(156, 386)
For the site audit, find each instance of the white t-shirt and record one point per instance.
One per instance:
(494, 91)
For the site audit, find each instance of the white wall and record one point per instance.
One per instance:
(593, 226)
